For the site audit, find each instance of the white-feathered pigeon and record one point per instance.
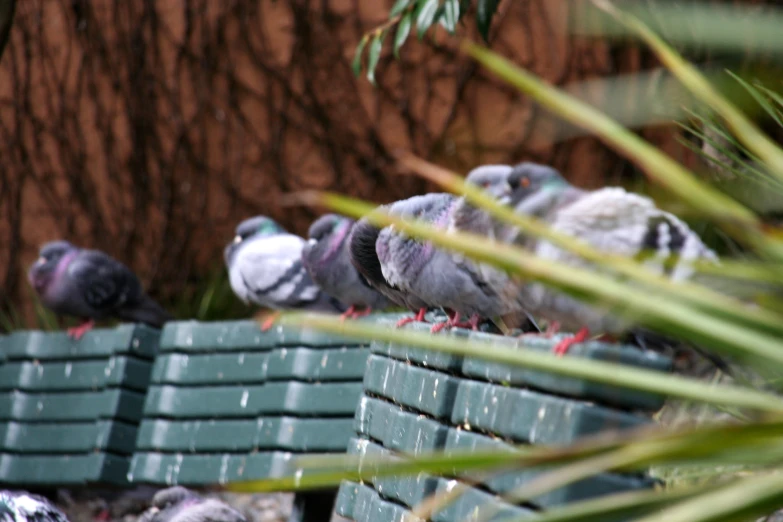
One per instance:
(178, 504)
(611, 220)
(328, 261)
(21, 506)
(265, 268)
(90, 285)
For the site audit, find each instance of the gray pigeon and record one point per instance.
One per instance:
(178, 504)
(440, 277)
(21, 506)
(611, 220)
(328, 261)
(90, 285)
(265, 267)
(363, 249)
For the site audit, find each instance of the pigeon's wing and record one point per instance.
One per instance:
(622, 223)
(272, 271)
(104, 283)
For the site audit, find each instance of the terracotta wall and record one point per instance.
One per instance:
(149, 128)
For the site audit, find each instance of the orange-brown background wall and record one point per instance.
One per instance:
(150, 128)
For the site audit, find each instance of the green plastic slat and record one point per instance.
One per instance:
(528, 416)
(249, 401)
(424, 357)
(419, 388)
(289, 433)
(210, 369)
(71, 406)
(304, 364)
(399, 430)
(67, 469)
(116, 437)
(570, 386)
(324, 364)
(128, 372)
(296, 398)
(305, 435)
(170, 469)
(595, 486)
(346, 498)
(368, 506)
(139, 340)
(196, 436)
(467, 506)
(409, 490)
(193, 336)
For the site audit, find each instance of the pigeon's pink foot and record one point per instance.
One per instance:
(348, 313)
(551, 329)
(103, 516)
(453, 321)
(471, 324)
(437, 327)
(77, 332)
(419, 317)
(563, 346)
(269, 321)
(353, 313)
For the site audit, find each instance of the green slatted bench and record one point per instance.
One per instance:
(70, 410)
(417, 401)
(228, 402)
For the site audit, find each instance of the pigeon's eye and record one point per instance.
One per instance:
(525, 182)
(485, 184)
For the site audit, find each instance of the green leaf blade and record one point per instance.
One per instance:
(425, 16)
(374, 56)
(403, 31)
(450, 16)
(398, 7)
(485, 10)
(356, 64)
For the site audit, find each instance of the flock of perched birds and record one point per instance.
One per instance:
(175, 504)
(352, 267)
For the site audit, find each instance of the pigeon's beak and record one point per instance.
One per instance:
(41, 260)
(237, 240)
(312, 242)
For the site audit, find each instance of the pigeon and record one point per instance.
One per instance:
(327, 258)
(89, 284)
(362, 247)
(265, 267)
(611, 220)
(178, 504)
(21, 506)
(441, 277)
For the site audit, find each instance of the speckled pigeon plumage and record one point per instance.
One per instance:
(21, 506)
(90, 285)
(327, 258)
(178, 504)
(611, 220)
(364, 253)
(440, 277)
(265, 267)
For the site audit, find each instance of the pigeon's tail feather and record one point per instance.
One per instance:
(146, 311)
